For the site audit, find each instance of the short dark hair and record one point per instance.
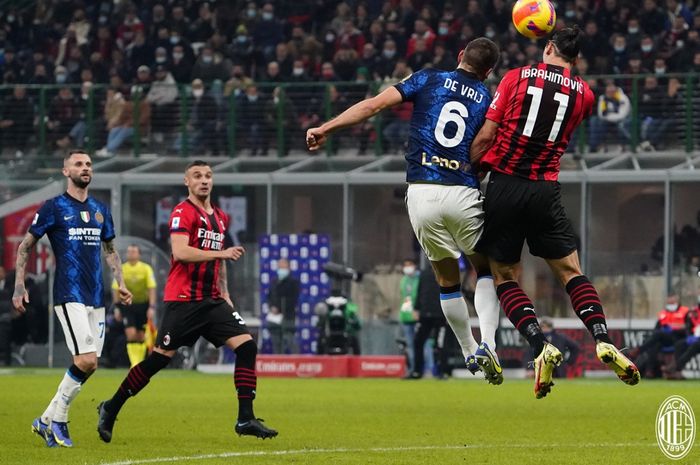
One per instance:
(481, 55)
(74, 152)
(136, 247)
(567, 42)
(194, 163)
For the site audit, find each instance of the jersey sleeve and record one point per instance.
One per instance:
(151, 277)
(108, 229)
(180, 221)
(44, 220)
(502, 97)
(410, 86)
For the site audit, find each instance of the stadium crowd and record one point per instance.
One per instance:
(141, 50)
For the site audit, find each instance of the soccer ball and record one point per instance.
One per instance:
(534, 18)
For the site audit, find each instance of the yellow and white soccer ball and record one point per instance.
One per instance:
(534, 18)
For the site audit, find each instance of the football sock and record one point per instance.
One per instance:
(67, 391)
(521, 312)
(136, 352)
(137, 379)
(586, 303)
(457, 314)
(487, 308)
(245, 379)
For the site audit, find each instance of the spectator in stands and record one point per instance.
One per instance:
(345, 63)
(6, 315)
(11, 69)
(267, 33)
(408, 294)
(210, 66)
(179, 22)
(17, 121)
(272, 72)
(181, 66)
(285, 60)
(619, 54)
(204, 122)
(63, 115)
(139, 52)
(687, 348)
(241, 48)
(443, 59)
(252, 127)
(388, 59)
(328, 73)
(161, 57)
(158, 20)
(202, 28)
(350, 36)
(569, 348)
(653, 114)
(162, 97)
(281, 115)
(420, 56)
(652, 20)
(283, 299)
(143, 78)
(634, 33)
(590, 46)
(121, 124)
(422, 31)
(677, 9)
(648, 52)
(670, 328)
(370, 60)
(128, 29)
(612, 116)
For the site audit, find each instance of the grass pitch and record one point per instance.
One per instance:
(187, 418)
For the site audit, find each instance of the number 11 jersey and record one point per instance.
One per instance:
(538, 107)
(449, 109)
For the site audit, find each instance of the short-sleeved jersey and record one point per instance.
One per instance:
(538, 108)
(76, 230)
(139, 279)
(449, 108)
(189, 282)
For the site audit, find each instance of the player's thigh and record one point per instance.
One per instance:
(79, 332)
(223, 323)
(504, 227)
(181, 324)
(464, 217)
(96, 317)
(549, 233)
(425, 211)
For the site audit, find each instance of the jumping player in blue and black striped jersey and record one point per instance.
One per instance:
(78, 227)
(443, 198)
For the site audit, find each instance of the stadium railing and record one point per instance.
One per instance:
(273, 121)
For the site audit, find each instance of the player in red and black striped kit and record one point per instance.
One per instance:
(197, 303)
(528, 126)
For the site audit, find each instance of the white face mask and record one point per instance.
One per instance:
(298, 71)
(267, 16)
(177, 56)
(198, 92)
(409, 270)
(207, 59)
(660, 70)
(671, 307)
(633, 30)
(282, 273)
(161, 59)
(389, 53)
(647, 48)
(619, 48)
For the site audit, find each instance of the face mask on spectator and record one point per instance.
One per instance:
(389, 53)
(207, 59)
(102, 20)
(252, 98)
(10, 18)
(298, 71)
(242, 38)
(443, 31)
(161, 59)
(178, 56)
(619, 48)
(647, 48)
(633, 30)
(490, 33)
(282, 273)
(267, 16)
(409, 270)
(251, 12)
(174, 39)
(671, 307)
(660, 70)
(570, 13)
(197, 92)
(330, 37)
(61, 78)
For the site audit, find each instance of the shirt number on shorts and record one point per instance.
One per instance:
(536, 93)
(452, 112)
(101, 324)
(238, 317)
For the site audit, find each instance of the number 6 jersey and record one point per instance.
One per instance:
(449, 109)
(538, 107)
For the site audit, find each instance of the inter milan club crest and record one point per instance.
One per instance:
(85, 216)
(99, 218)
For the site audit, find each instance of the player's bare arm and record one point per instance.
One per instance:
(185, 253)
(20, 296)
(222, 283)
(361, 111)
(483, 141)
(115, 264)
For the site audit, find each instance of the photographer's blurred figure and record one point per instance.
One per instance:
(408, 290)
(281, 319)
(569, 348)
(431, 320)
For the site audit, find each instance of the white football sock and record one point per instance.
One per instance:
(455, 309)
(67, 391)
(488, 309)
(47, 416)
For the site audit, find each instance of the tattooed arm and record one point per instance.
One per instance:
(20, 297)
(222, 283)
(115, 264)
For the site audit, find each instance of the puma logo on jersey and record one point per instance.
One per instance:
(589, 309)
(203, 219)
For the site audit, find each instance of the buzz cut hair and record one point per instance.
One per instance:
(194, 163)
(75, 152)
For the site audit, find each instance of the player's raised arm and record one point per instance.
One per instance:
(115, 264)
(483, 141)
(361, 111)
(20, 296)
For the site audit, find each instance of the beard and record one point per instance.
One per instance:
(78, 181)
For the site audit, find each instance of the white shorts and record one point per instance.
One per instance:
(83, 327)
(447, 220)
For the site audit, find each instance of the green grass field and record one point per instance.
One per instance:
(187, 418)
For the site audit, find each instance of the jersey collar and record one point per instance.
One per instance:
(468, 73)
(76, 200)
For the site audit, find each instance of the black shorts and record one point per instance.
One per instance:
(184, 322)
(518, 210)
(134, 315)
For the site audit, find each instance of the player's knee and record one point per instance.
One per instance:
(87, 362)
(247, 349)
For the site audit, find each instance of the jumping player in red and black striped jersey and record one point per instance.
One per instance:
(528, 126)
(197, 303)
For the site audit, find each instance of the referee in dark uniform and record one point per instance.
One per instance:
(430, 321)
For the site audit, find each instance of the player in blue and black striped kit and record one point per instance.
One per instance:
(78, 227)
(443, 198)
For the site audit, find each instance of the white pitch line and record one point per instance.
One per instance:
(343, 450)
